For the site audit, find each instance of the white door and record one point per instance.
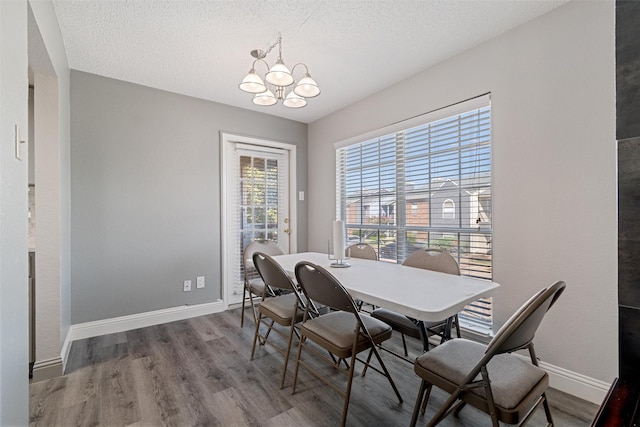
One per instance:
(257, 206)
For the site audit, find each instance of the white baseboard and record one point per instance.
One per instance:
(47, 369)
(576, 384)
(573, 383)
(135, 321)
(66, 348)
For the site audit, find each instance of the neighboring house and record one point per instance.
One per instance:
(371, 207)
(463, 204)
(446, 205)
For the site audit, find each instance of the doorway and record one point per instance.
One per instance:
(257, 181)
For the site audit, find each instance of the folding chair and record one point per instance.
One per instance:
(253, 284)
(343, 332)
(362, 251)
(428, 259)
(490, 378)
(285, 310)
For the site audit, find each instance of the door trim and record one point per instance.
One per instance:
(226, 143)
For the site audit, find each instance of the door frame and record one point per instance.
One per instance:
(227, 141)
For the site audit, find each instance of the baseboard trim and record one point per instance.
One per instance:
(66, 348)
(575, 384)
(135, 321)
(47, 369)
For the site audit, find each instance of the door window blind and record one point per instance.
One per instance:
(260, 199)
(426, 186)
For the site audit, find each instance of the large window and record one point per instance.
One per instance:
(425, 186)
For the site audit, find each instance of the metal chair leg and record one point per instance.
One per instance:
(288, 352)
(547, 409)
(426, 400)
(366, 365)
(416, 408)
(404, 345)
(386, 372)
(295, 372)
(347, 394)
(255, 338)
(244, 299)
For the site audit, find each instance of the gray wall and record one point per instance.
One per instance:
(145, 182)
(554, 173)
(14, 355)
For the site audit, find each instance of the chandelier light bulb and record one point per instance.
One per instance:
(252, 83)
(279, 75)
(307, 87)
(265, 98)
(294, 101)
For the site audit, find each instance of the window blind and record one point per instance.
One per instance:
(424, 186)
(260, 195)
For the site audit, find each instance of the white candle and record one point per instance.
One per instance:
(338, 239)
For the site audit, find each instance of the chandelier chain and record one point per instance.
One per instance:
(278, 42)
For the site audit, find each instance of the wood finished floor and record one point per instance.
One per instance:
(197, 372)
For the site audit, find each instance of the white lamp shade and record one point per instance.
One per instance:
(307, 87)
(265, 98)
(279, 75)
(294, 101)
(252, 83)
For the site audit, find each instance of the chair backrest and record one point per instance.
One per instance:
(361, 250)
(271, 273)
(320, 286)
(433, 259)
(268, 247)
(518, 332)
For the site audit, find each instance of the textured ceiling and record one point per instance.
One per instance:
(353, 48)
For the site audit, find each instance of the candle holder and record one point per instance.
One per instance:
(339, 261)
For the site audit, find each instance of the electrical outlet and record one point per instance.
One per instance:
(200, 282)
(187, 285)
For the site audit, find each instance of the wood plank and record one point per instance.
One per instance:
(198, 372)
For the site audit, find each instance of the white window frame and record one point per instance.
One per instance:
(402, 188)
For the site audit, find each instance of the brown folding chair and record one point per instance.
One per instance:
(285, 310)
(490, 378)
(253, 284)
(428, 259)
(362, 251)
(343, 332)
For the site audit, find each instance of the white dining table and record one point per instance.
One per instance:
(417, 293)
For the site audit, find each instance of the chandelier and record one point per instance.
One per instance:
(280, 83)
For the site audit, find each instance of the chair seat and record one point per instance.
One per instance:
(280, 309)
(334, 332)
(515, 382)
(397, 321)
